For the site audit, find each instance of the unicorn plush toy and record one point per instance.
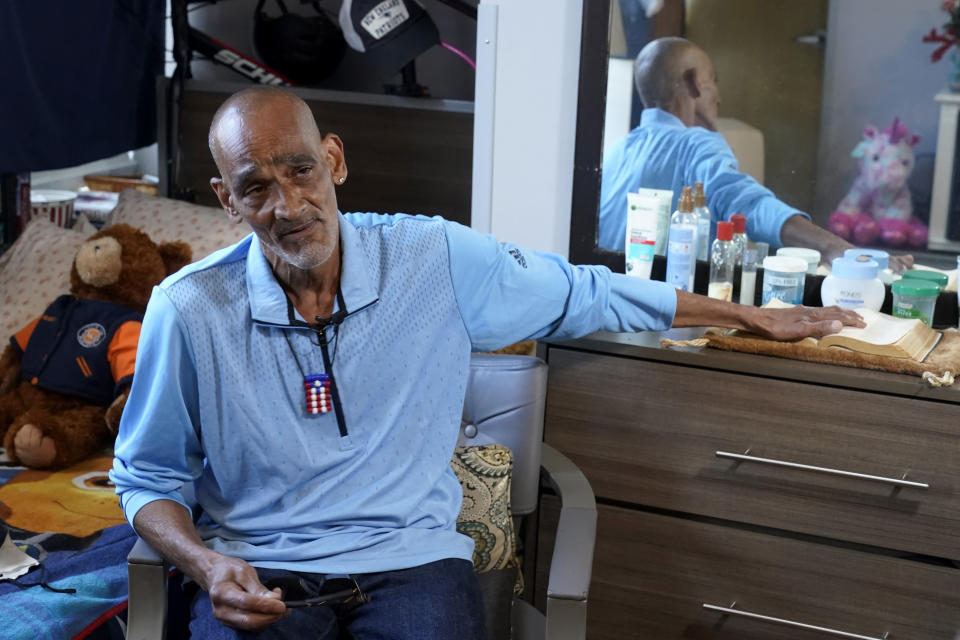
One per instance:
(878, 205)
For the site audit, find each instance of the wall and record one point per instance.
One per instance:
(877, 67)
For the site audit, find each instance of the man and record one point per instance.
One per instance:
(676, 144)
(389, 307)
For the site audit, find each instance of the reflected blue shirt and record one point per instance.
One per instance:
(663, 153)
(218, 397)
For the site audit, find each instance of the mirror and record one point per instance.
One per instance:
(809, 103)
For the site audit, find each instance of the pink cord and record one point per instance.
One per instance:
(468, 59)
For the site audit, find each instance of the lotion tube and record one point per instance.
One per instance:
(643, 230)
(661, 201)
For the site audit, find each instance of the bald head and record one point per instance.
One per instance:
(677, 76)
(242, 109)
(658, 70)
(279, 175)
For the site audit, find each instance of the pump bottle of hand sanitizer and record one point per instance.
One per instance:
(682, 244)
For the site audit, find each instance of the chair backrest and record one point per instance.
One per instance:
(504, 404)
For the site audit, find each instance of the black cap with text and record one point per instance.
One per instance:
(390, 32)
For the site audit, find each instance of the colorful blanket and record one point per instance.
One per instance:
(70, 521)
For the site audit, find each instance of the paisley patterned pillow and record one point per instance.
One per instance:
(484, 474)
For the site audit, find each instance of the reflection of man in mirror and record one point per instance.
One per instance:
(677, 144)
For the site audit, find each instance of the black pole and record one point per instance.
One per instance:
(8, 206)
(181, 43)
(181, 55)
(14, 204)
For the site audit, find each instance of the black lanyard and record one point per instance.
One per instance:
(317, 384)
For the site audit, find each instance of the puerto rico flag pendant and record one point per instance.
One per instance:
(317, 386)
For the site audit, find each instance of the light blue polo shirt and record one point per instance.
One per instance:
(218, 397)
(664, 153)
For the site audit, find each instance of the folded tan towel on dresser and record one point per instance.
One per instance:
(938, 368)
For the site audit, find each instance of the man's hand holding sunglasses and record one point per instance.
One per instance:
(239, 600)
(296, 591)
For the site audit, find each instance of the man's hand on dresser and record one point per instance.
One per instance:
(900, 263)
(799, 322)
(780, 324)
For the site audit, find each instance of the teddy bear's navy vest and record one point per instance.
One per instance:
(69, 349)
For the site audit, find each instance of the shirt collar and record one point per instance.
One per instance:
(268, 302)
(655, 116)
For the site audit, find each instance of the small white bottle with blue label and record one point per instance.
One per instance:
(682, 244)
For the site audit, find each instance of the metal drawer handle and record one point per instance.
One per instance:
(790, 623)
(899, 482)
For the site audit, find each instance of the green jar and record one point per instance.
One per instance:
(940, 279)
(915, 298)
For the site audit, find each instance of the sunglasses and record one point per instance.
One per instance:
(297, 592)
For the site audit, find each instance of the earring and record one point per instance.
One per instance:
(340, 180)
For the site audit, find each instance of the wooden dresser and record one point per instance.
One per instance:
(739, 493)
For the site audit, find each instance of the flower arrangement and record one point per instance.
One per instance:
(951, 30)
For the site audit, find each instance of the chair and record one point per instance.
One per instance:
(504, 404)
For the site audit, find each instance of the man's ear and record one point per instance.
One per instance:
(334, 156)
(690, 82)
(223, 195)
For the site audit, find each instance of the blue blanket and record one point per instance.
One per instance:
(93, 564)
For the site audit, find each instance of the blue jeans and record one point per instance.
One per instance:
(436, 601)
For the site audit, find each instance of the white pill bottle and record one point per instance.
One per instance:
(853, 283)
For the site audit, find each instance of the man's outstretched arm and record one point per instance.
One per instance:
(797, 231)
(780, 324)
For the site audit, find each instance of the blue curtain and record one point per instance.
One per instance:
(77, 80)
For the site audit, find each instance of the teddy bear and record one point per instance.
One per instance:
(878, 204)
(64, 377)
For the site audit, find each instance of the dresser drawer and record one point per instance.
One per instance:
(652, 574)
(648, 433)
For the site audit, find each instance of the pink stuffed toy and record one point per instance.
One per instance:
(878, 205)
